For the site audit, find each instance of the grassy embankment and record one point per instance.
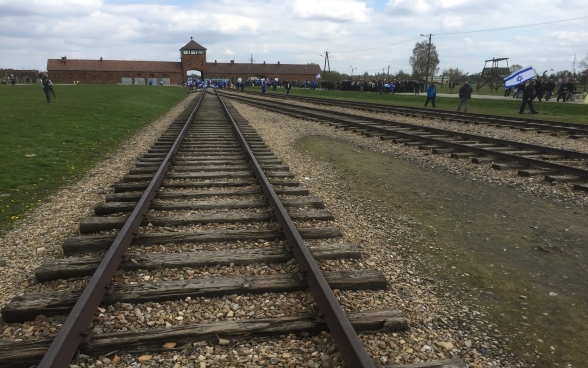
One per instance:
(560, 112)
(46, 146)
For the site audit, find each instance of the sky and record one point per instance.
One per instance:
(360, 36)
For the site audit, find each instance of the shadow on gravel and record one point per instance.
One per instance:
(524, 258)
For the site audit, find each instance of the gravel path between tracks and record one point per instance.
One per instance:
(433, 317)
(41, 234)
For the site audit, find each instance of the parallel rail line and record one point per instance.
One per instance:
(554, 163)
(575, 131)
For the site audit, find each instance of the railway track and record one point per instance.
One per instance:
(556, 165)
(208, 198)
(574, 131)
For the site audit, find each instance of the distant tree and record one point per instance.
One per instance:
(419, 58)
(515, 67)
(453, 73)
(402, 75)
(584, 63)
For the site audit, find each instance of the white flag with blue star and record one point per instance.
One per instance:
(519, 77)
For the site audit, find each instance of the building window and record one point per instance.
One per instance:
(201, 63)
(193, 52)
(201, 52)
(138, 75)
(69, 76)
(83, 76)
(165, 75)
(187, 63)
(186, 52)
(110, 76)
(55, 75)
(152, 75)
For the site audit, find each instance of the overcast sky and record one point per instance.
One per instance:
(368, 35)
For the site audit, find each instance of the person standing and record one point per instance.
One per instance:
(264, 87)
(431, 94)
(465, 94)
(47, 88)
(451, 86)
(549, 87)
(288, 86)
(571, 89)
(528, 95)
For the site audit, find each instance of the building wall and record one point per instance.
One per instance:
(282, 77)
(81, 76)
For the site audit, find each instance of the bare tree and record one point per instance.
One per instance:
(584, 63)
(515, 67)
(421, 57)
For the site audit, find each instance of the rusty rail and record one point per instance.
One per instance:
(74, 330)
(350, 346)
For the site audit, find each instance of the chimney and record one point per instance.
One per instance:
(63, 59)
(100, 58)
(278, 64)
(232, 62)
(264, 63)
(215, 62)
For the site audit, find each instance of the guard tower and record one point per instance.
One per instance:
(493, 76)
(193, 57)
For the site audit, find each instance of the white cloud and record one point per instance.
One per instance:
(335, 10)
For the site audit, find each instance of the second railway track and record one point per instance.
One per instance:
(557, 165)
(215, 214)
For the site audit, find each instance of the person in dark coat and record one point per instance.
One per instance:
(528, 95)
(549, 87)
(451, 86)
(465, 94)
(47, 88)
(431, 94)
(562, 92)
(288, 86)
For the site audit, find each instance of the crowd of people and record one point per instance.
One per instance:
(544, 90)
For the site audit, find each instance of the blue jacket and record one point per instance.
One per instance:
(431, 91)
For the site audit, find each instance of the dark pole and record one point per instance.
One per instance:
(428, 58)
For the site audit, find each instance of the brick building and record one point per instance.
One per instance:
(193, 58)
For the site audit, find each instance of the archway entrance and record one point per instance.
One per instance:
(193, 74)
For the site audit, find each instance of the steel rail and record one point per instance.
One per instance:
(350, 346)
(74, 330)
(572, 128)
(451, 144)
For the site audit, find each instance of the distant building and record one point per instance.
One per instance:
(19, 75)
(193, 58)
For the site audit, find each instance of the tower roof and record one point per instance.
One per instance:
(192, 45)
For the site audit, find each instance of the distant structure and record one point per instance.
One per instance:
(193, 59)
(19, 75)
(493, 76)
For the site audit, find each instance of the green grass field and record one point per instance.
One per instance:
(561, 112)
(46, 146)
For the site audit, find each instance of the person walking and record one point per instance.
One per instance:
(47, 88)
(549, 87)
(465, 94)
(528, 95)
(288, 86)
(562, 92)
(431, 94)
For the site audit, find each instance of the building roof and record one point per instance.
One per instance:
(217, 69)
(193, 45)
(114, 65)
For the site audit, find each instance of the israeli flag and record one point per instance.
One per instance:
(318, 76)
(519, 77)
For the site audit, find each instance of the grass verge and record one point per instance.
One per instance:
(45, 146)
